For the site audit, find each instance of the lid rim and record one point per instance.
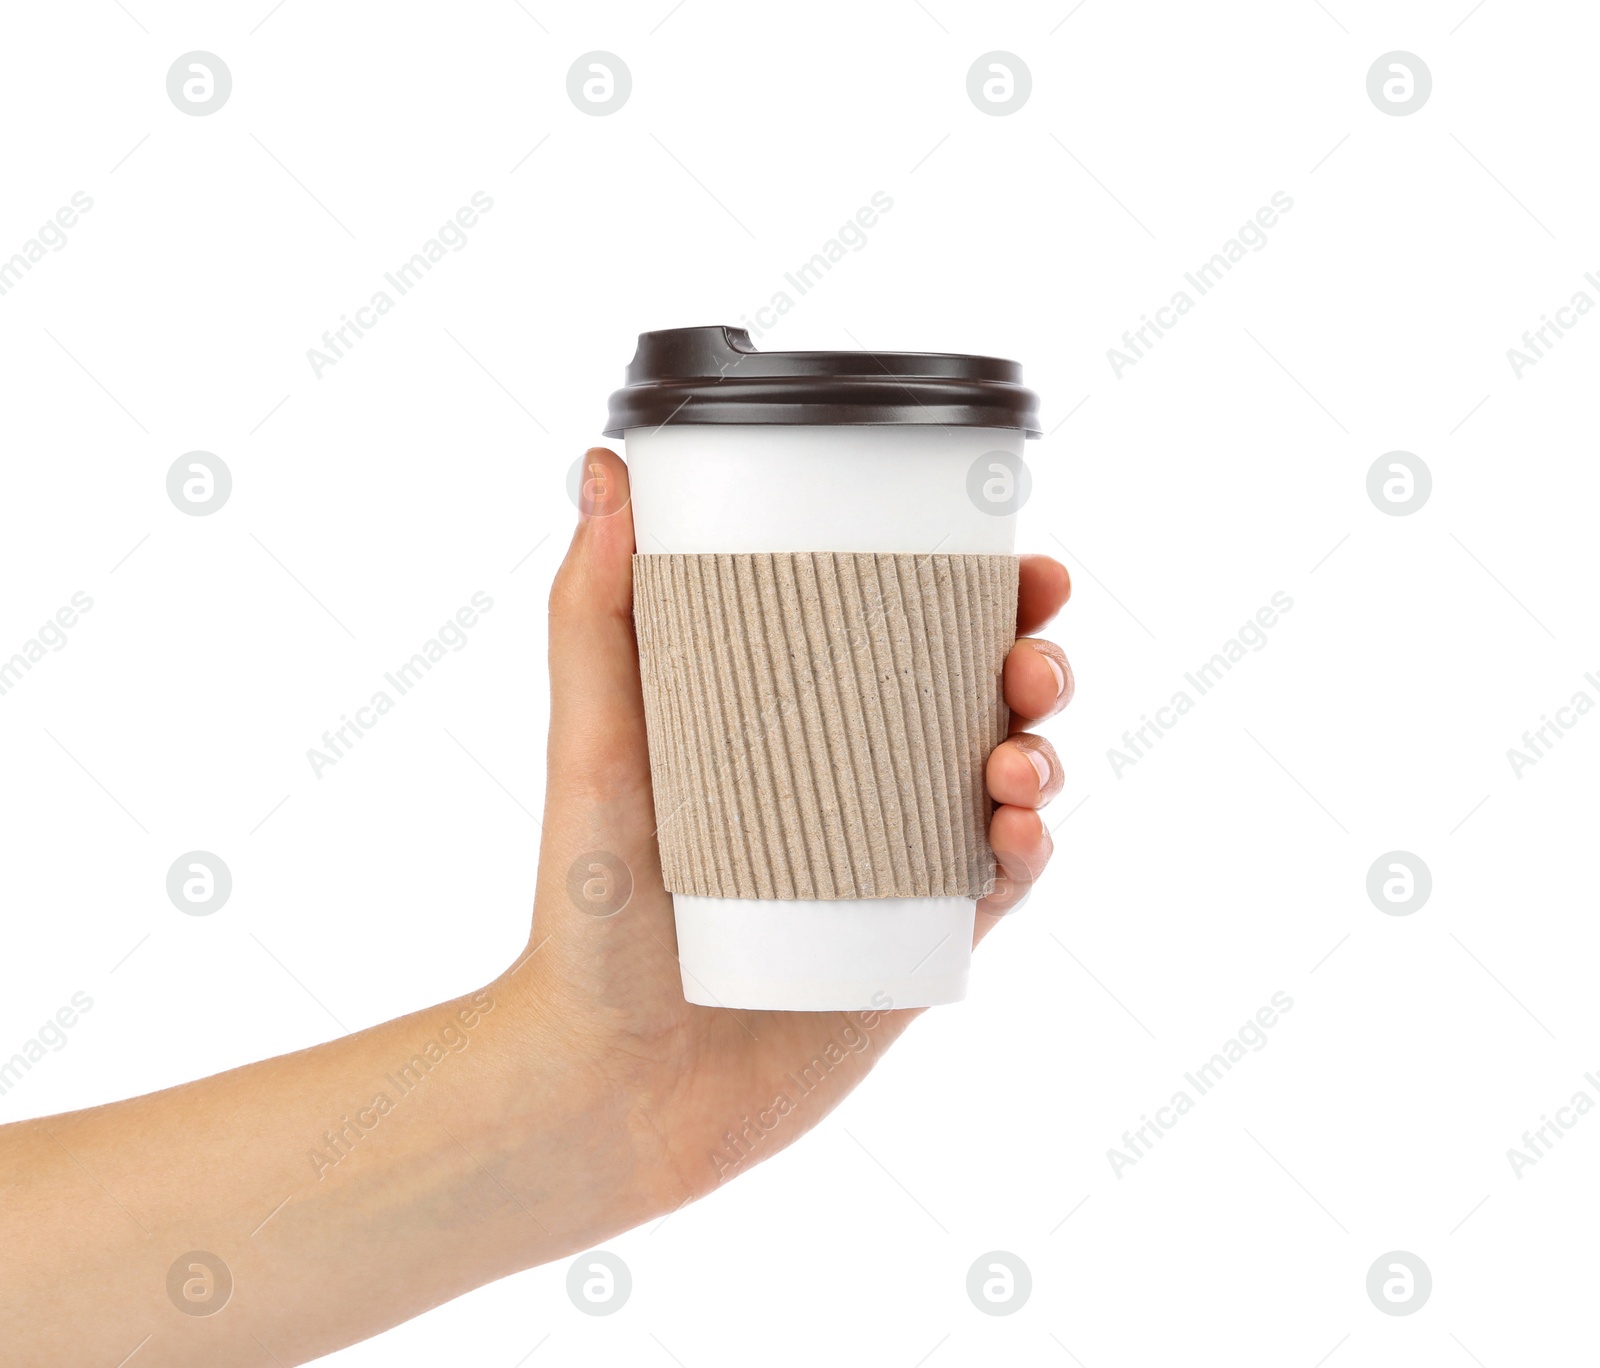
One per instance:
(715, 376)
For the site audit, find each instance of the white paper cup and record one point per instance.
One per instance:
(924, 488)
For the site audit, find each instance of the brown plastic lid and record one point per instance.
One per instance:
(715, 375)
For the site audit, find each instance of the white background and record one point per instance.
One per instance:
(1230, 463)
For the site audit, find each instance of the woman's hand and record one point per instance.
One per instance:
(704, 1092)
(290, 1207)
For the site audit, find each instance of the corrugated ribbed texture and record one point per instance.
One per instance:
(819, 721)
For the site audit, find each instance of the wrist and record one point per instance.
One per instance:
(555, 1133)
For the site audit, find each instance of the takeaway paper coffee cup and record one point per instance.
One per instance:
(824, 595)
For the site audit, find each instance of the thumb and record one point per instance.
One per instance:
(598, 855)
(597, 852)
(597, 730)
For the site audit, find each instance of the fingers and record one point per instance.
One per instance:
(1024, 771)
(1022, 848)
(1038, 680)
(1043, 585)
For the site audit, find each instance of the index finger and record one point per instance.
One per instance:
(1043, 585)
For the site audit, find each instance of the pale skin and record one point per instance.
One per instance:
(578, 1095)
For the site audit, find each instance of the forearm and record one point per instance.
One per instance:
(345, 1188)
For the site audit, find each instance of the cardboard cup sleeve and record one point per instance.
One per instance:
(819, 722)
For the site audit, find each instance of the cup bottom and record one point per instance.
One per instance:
(866, 954)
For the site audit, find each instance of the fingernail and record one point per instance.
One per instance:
(594, 486)
(1041, 765)
(1058, 672)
